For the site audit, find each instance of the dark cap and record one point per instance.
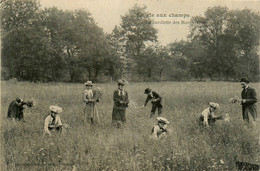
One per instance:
(147, 90)
(18, 99)
(244, 79)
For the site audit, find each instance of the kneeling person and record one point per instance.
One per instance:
(53, 121)
(207, 116)
(16, 109)
(160, 130)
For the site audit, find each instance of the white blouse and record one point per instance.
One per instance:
(48, 123)
(206, 113)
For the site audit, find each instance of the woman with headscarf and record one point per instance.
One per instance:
(121, 102)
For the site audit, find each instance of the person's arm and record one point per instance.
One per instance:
(154, 133)
(158, 98)
(46, 124)
(127, 98)
(59, 121)
(84, 96)
(213, 115)
(205, 115)
(252, 98)
(147, 100)
(116, 97)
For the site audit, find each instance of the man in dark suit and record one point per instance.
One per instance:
(155, 99)
(248, 100)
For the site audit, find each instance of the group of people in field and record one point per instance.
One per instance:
(121, 102)
(248, 100)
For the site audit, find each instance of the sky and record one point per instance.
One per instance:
(170, 25)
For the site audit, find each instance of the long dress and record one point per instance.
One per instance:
(120, 104)
(89, 107)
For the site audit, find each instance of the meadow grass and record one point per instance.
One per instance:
(103, 147)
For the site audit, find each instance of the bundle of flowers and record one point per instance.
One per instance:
(97, 94)
(235, 100)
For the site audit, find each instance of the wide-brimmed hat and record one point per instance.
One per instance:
(121, 82)
(162, 120)
(213, 104)
(147, 90)
(55, 109)
(244, 79)
(89, 83)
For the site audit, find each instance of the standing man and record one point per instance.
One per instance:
(248, 100)
(155, 99)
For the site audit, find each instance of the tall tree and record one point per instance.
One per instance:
(137, 30)
(243, 29)
(209, 30)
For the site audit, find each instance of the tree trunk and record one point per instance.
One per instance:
(149, 73)
(96, 74)
(89, 74)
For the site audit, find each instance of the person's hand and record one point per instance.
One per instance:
(142, 107)
(243, 101)
(154, 100)
(213, 116)
(91, 100)
(205, 124)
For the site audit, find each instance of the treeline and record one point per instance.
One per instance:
(54, 45)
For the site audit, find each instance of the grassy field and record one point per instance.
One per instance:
(104, 147)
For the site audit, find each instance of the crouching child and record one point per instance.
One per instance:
(160, 130)
(207, 116)
(53, 122)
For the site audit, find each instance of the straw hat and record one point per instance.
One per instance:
(162, 120)
(55, 109)
(89, 83)
(215, 105)
(121, 82)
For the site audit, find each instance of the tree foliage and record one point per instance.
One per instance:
(55, 45)
(230, 39)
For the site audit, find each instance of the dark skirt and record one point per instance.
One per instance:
(118, 115)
